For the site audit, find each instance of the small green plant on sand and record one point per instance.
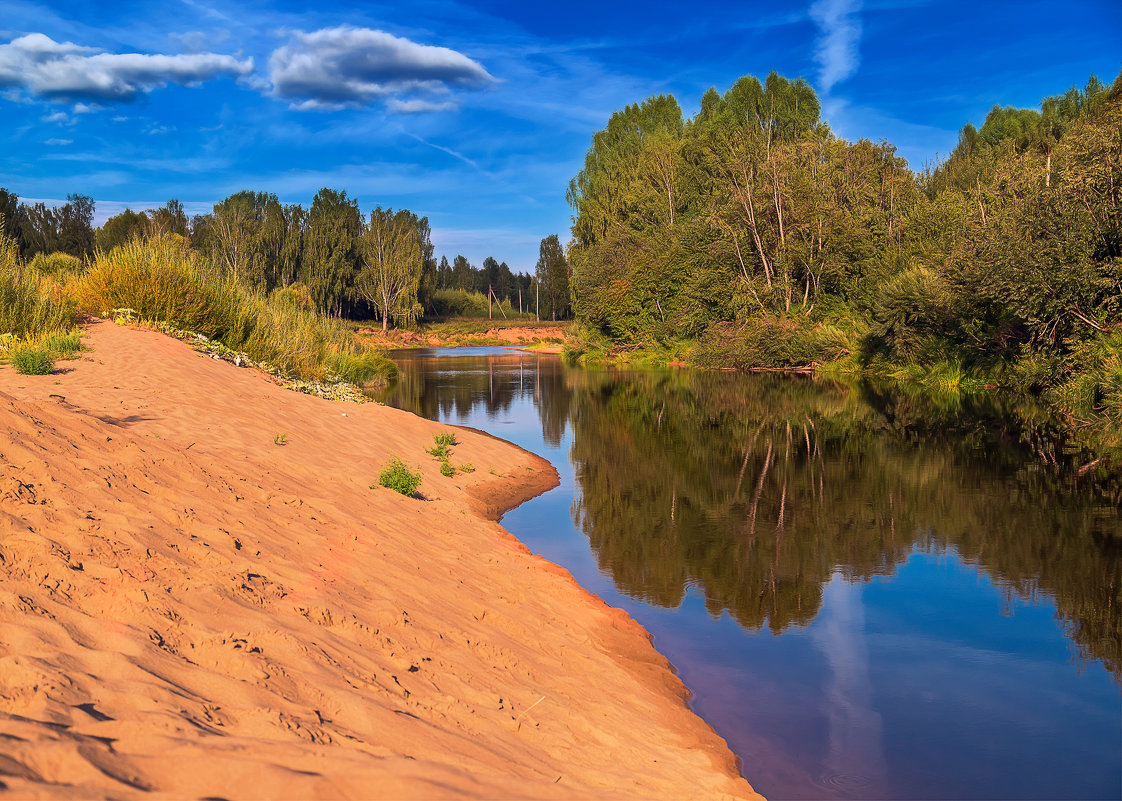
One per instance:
(280, 439)
(31, 360)
(441, 450)
(466, 467)
(397, 476)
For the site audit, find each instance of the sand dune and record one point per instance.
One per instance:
(188, 610)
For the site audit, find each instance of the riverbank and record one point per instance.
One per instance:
(470, 333)
(944, 385)
(202, 595)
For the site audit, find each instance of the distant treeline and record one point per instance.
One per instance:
(381, 266)
(751, 236)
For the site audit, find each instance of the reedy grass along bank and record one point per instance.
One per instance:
(37, 317)
(163, 281)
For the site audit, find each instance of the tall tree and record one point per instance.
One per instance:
(331, 255)
(288, 265)
(121, 228)
(553, 277)
(444, 274)
(9, 215)
(75, 226)
(38, 225)
(168, 219)
(392, 262)
(428, 282)
(462, 273)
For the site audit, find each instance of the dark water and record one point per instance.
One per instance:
(871, 596)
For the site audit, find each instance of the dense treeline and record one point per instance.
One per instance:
(343, 263)
(546, 291)
(758, 238)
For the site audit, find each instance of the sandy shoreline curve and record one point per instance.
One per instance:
(189, 610)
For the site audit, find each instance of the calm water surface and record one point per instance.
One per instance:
(870, 596)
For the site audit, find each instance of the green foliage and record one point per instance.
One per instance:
(280, 439)
(1094, 390)
(121, 228)
(442, 451)
(553, 278)
(44, 229)
(397, 476)
(447, 438)
(458, 303)
(391, 264)
(60, 266)
(331, 246)
(359, 366)
(31, 307)
(65, 344)
(911, 312)
(465, 303)
(754, 231)
(31, 360)
(771, 343)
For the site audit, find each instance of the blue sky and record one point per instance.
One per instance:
(478, 114)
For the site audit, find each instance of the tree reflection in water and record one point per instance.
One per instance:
(757, 489)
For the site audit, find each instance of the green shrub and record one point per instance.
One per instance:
(1092, 392)
(32, 360)
(30, 308)
(62, 343)
(459, 303)
(56, 265)
(362, 367)
(397, 476)
(771, 343)
(446, 468)
(442, 444)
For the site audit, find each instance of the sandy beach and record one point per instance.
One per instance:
(190, 610)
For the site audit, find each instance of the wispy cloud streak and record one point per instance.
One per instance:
(447, 150)
(837, 52)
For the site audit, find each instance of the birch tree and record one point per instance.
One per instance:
(391, 263)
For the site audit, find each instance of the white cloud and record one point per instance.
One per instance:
(63, 70)
(337, 67)
(59, 142)
(61, 117)
(837, 51)
(418, 106)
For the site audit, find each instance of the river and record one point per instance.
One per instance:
(870, 595)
